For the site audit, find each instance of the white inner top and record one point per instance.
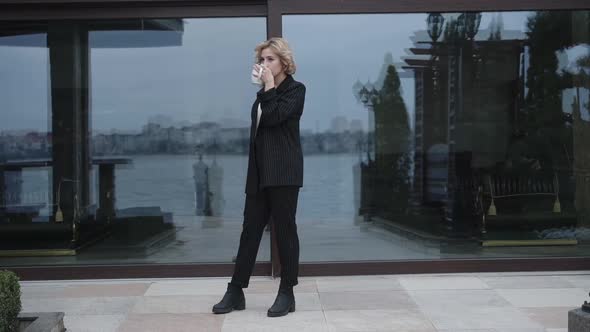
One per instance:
(258, 116)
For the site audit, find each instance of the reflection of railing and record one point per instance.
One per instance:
(30, 197)
(367, 201)
(507, 187)
(19, 216)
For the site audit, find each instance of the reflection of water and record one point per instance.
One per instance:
(36, 188)
(167, 181)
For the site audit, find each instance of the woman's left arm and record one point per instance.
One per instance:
(279, 108)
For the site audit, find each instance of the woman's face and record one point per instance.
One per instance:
(269, 59)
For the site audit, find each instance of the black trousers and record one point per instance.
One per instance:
(281, 204)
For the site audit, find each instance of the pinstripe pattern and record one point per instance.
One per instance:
(283, 207)
(275, 156)
(280, 203)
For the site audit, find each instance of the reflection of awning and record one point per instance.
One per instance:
(109, 34)
(421, 56)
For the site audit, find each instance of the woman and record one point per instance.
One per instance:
(275, 174)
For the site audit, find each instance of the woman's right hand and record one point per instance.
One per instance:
(266, 77)
(256, 69)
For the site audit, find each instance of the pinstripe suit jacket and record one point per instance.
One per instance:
(275, 157)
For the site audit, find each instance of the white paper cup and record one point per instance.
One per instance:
(256, 76)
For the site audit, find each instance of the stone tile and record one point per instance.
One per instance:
(527, 282)
(538, 298)
(357, 277)
(479, 317)
(458, 298)
(303, 301)
(188, 287)
(554, 318)
(204, 303)
(175, 304)
(386, 300)
(256, 321)
(442, 282)
(85, 282)
(526, 273)
(93, 323)
(358, 284)
(469, 330)
(81, 306)
(41, 291)
(538, 329)
(109, 290)
(272, 286)
(579, 281)
(378, 320)
(172, 323)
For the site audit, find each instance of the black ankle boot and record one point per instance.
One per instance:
(232, 300)
(284, 303)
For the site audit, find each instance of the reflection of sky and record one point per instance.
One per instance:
(347, 48)
(207, 78)
(568, 63)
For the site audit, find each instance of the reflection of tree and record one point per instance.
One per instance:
(558, 136)
(543, 119)
(581, 134)
(385, 182)
(496, 27)
(392, 138)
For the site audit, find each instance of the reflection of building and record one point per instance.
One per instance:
(339, 124)
(467, 94)
(68, 64)
(356, 125)
(68, 44)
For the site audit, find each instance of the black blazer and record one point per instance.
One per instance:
(275, 157)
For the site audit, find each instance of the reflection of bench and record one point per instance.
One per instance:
(505, 189)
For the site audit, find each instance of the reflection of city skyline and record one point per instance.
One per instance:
(170, 137)
(338, 124)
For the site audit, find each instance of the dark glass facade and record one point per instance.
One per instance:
(428, 137)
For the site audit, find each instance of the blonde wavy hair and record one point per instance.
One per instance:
(281, 48)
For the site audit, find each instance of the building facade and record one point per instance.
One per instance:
(439, 136)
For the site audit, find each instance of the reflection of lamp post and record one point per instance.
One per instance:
(435, 24)
(472, 22)
(467, 26)
(369, 97)
(461, 21)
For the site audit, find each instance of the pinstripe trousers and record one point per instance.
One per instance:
(280, 203)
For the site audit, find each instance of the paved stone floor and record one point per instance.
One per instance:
(482, 302)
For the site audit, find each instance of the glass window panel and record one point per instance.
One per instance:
(443, 136)
(25, 126)
(168, 118)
